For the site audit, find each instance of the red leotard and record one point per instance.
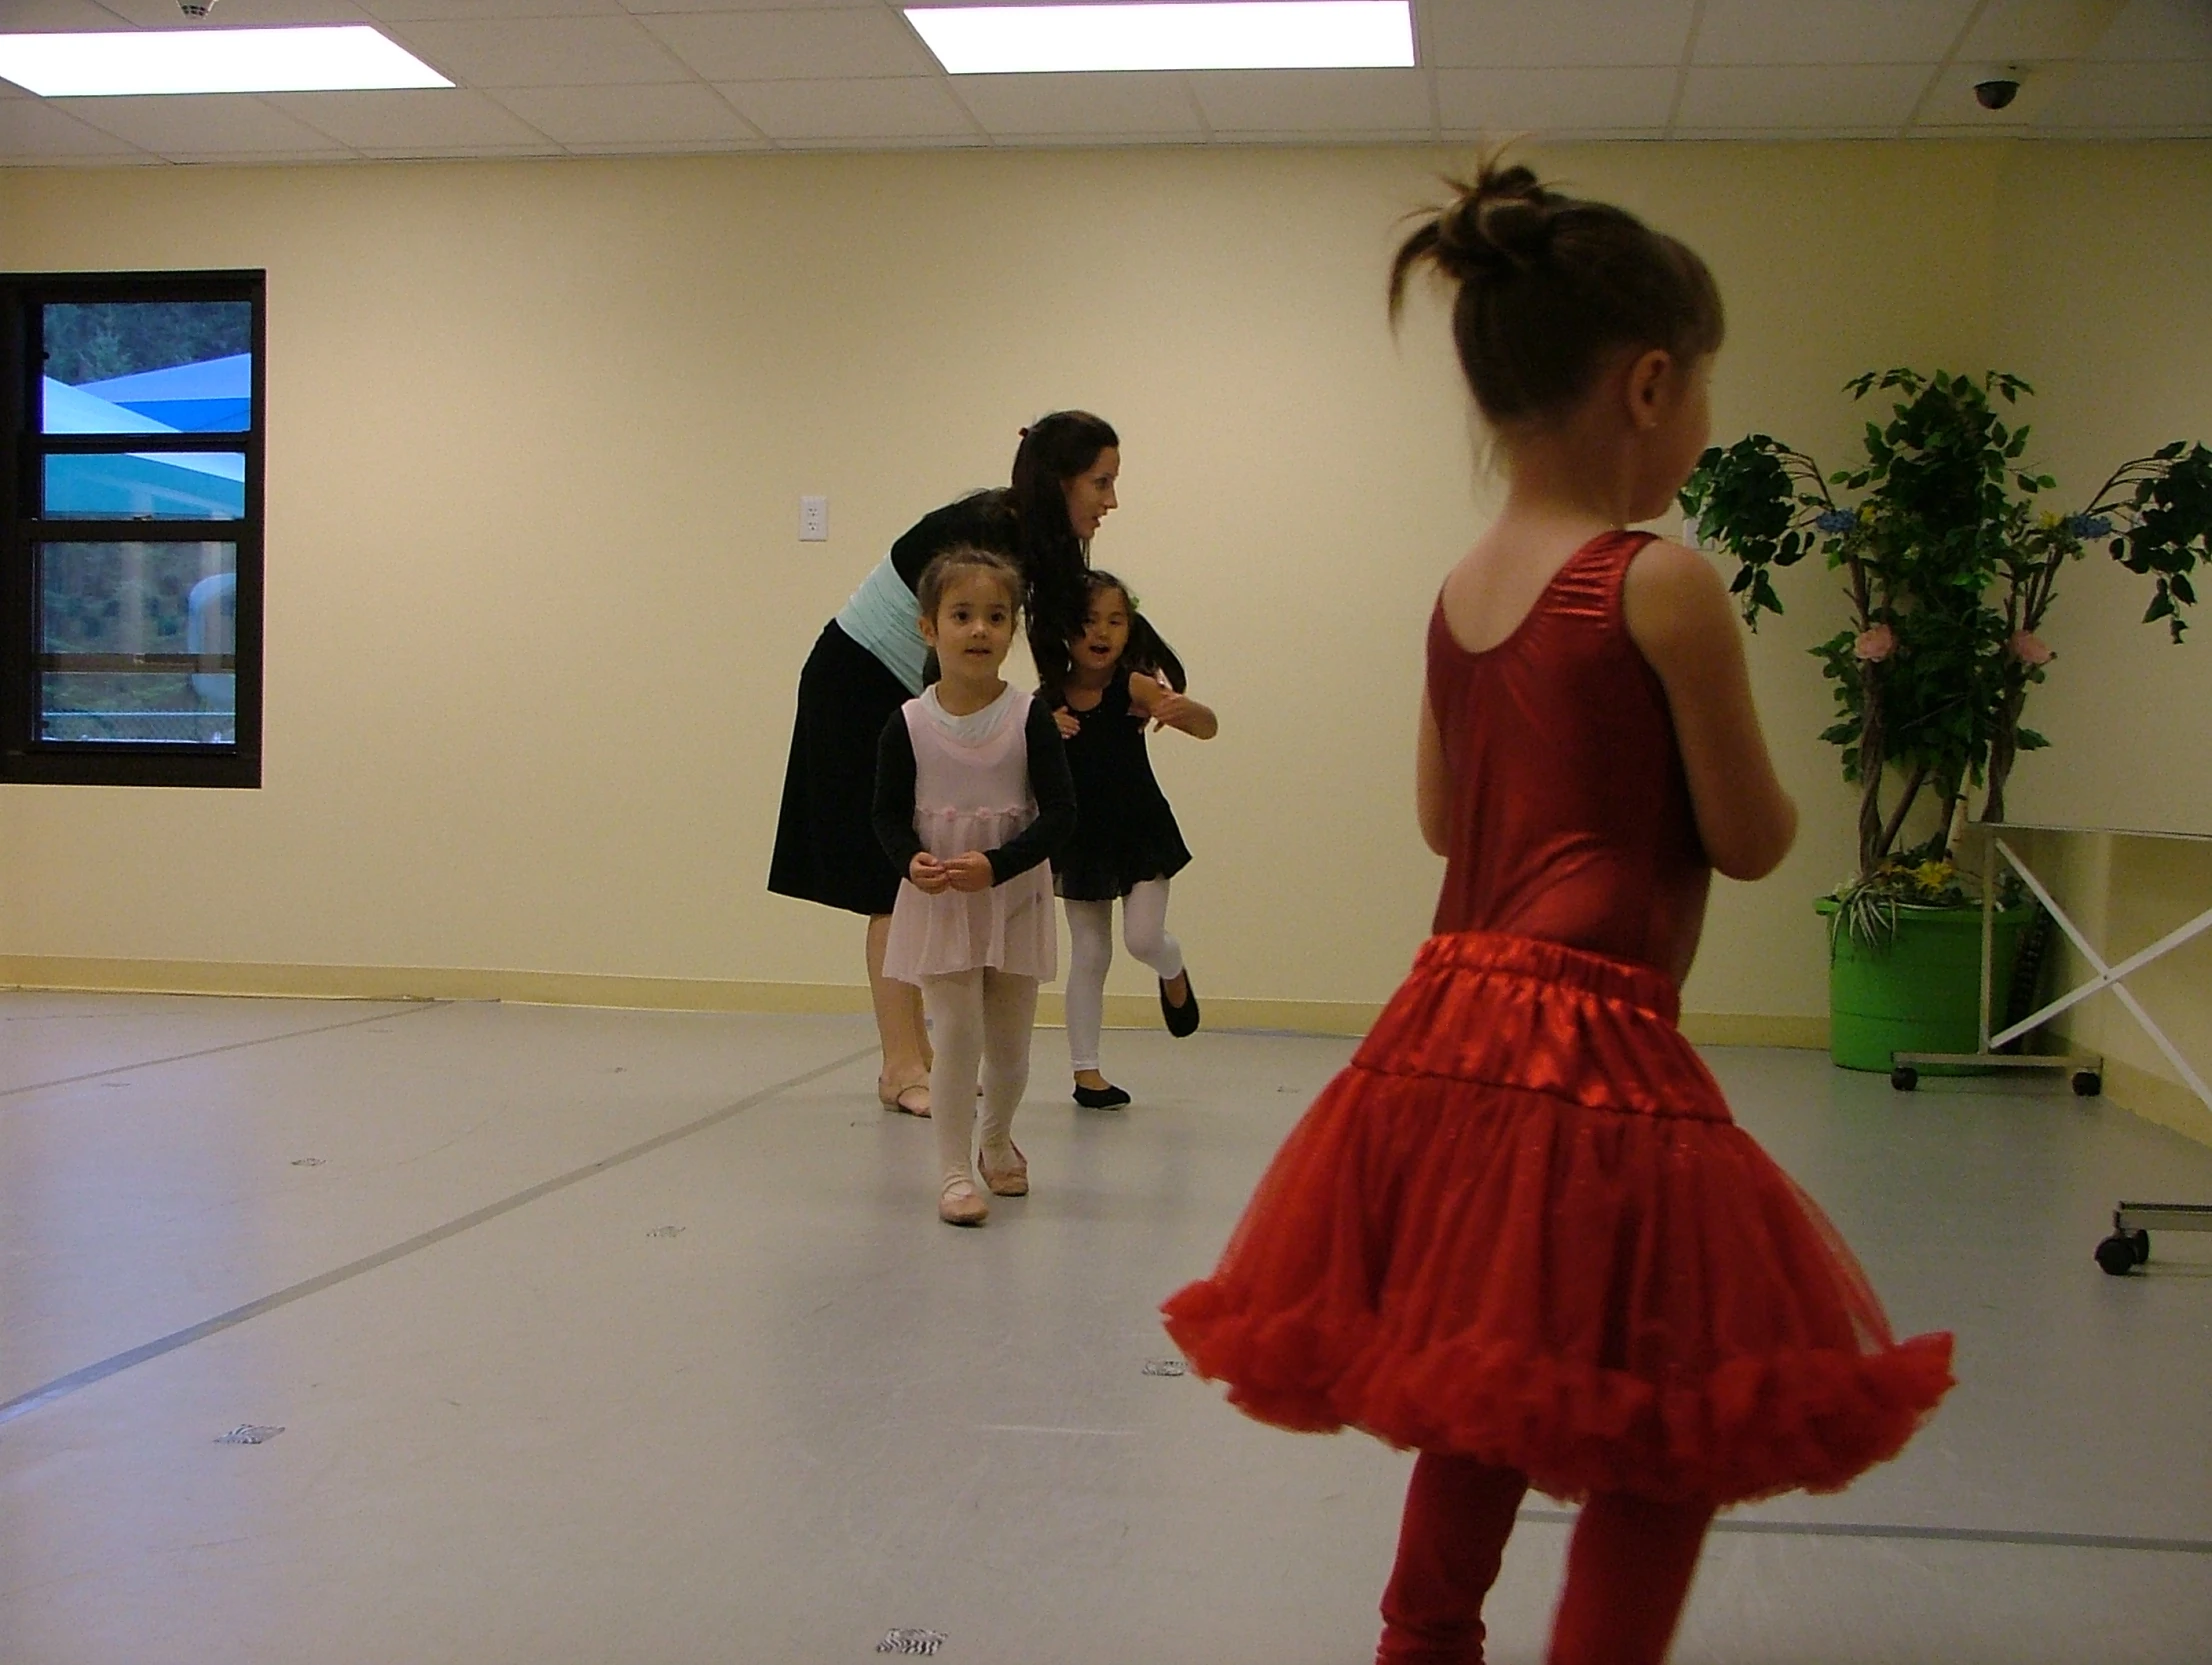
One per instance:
(1521, 1225)
(1570, 814)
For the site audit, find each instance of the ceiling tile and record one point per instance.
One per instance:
(2155, 29)
(2171, 97)
(913, 107)
(1517, 34)
(33, 128)
(428, 119)
(1831, 32)
(38, 17)
(233, 14)
(1831, 96)
(925, 141)
(671, 147)
(1316, 101)
(2017, 31)
(1085, 106)
(543, 52)
(259, 158)
(204, 124)
(1780, 135)
(1498, 102)
(1095, 141)
(682, 114)
(818, 45)
(484, 11)
(544, 149)
(648, 8)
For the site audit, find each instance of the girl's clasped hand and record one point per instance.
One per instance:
(968, 872)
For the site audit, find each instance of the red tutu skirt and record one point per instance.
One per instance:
(1522, 1227)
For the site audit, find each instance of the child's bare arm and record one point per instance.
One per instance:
(1678, 614)
(1432, 784)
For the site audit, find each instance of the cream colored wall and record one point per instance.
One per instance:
(536, 603)
(2105, 304)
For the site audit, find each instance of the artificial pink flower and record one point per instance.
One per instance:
(1875, 645)
(2028, 648)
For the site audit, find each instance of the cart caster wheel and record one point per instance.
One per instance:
(1904, 1078)
(2141, 1242)
(2088, 1084)
(2117, 1256)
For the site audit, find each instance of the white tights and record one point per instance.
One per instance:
(979, 1021)
(1091, 952)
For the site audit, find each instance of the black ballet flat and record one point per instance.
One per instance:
(1181, 1020)
(1101, 1098)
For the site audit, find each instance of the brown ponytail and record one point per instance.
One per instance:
(1549, 287)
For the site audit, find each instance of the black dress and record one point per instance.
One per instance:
(1125, 833)
(826, 849)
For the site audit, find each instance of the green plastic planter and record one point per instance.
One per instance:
(1919, 992)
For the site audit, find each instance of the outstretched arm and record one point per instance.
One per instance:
(1679, 617)
(1154, 700)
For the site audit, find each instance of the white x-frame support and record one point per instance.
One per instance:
(2113, 977)
(2103, 976)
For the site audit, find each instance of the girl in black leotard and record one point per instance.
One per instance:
(1122, 679)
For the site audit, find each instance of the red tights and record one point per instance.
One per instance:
(1628, 1570)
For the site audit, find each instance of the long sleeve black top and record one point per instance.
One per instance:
(1049, 783)
(984, 519)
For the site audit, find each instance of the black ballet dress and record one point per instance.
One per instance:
(1125, 833)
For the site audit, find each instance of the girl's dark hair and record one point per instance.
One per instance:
(1147, 650)
(1550, 287)
(948, 564)
(1054, 449)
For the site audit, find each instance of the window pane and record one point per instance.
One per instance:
(148, 367)
(168, 485)
(137, 642)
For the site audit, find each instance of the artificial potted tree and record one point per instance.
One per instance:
(1948, 570)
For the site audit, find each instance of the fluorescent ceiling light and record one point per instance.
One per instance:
(131, 61)
(1211, 34)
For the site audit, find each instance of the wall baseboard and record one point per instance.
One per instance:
(2156, 1099)
(2141, 1091)
(703, 994)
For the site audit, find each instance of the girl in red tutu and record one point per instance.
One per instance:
(1520, 1233)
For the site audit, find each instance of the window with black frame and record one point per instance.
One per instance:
(130, 640)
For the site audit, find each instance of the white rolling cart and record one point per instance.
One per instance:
(2129, 1246)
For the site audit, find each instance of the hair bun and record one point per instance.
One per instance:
(1499, 225)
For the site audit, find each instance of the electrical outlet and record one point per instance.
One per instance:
(814, 520)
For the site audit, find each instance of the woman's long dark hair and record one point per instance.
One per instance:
(1054, 449)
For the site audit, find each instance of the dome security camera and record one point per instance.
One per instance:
(1996, 92)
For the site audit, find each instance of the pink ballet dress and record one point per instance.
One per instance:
(972, 792)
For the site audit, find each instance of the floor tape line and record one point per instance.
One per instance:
(398, 1010)
(1935, 1534)
(60, 1388)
